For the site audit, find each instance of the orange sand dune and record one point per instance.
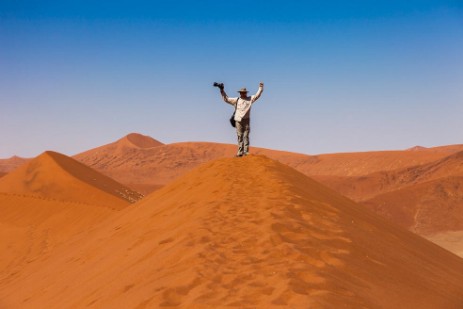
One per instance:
(449, 149)
(248, 233)
(361, 188)
(451, 165)
(31, 227)
(426, 208)
(149, 168)
(360, 176)
(7, 165)
(425, 199)
(2, 174)
(364, 163)
(53, 175)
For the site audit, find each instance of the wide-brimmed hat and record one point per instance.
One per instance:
(243, 90)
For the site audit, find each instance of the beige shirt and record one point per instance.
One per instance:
(243, 109)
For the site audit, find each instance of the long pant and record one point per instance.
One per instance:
(243, 128)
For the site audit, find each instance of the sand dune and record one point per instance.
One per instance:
(53, 175)
(7, 165)
(365, 163)
(449, 149)
(384, 180)
(360, 176)
(248, 233)
(366, 187)
(427, 208)
(150, 168)
(426, 199)
(451, 165)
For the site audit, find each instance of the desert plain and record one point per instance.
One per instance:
(141, 224)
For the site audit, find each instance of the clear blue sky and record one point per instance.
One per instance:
(339, 75)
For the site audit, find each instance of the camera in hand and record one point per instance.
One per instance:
(219, 85)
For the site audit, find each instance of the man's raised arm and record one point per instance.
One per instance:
(258, 93)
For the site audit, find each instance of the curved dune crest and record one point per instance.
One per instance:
(142, 141)
(246, 232)
(56, 176)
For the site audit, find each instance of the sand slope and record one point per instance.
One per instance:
(53, 175)
(31, 227)
(247, 233)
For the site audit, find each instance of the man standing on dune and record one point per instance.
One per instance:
(242, 117)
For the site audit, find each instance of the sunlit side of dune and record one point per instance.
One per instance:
(31, 227)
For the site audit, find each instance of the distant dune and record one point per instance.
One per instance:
(7, 165)
(368, 186)
(426, 208)
(246, 232)
(150, 168)
(56, 176)
(365, 163)
(427, 198)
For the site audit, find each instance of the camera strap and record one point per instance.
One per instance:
(236, 106)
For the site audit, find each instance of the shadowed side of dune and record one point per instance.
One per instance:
(247, 232)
